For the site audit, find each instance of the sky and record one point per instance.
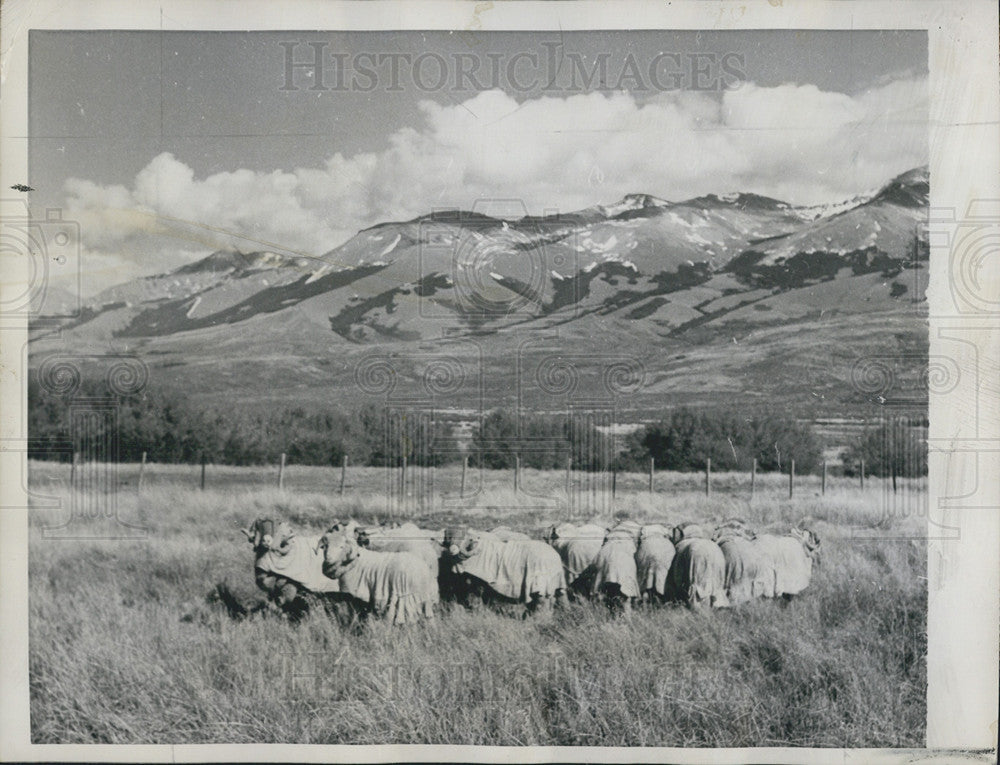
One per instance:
(165, 146)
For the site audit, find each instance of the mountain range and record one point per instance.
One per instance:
(735, 298)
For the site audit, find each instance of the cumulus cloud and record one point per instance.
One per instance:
(793, 142)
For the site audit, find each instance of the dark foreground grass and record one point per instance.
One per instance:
(124, 648)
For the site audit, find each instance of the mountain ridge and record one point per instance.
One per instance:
(652, 274)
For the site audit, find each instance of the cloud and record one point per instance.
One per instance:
(793, 142)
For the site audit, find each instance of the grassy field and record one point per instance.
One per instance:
(126, 648)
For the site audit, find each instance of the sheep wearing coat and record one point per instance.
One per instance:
(286, 564)
(789, 560)
(615, 575)
(748, 575)
(632, 528)
(395, 585)
(653, 559)
(698, 572)
(405, 538)
(525, 571)
(577, 547)
(506, 534)
(687, 530)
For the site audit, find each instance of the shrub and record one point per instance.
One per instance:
(173, 430)
(541, 442)
(686, 438)
(896, 446)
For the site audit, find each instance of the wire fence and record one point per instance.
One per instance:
(463, 480)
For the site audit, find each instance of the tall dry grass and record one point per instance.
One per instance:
(125, 648)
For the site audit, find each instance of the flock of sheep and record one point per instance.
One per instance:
(402, 572)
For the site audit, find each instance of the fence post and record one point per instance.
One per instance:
(652, 467)
(430, 487)
(72, 471)
(517, 472)
(791, 479)
(708, 477)
(465, 467)
(203, 471)
(142, 467)
(281, 473)
(862, 474)
(343, 474)
(593, 476)
(569, 467)
(402, 484)
(753, 477)
(614, 480)
(823, 484)
(893, 466)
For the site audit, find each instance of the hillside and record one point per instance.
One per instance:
(735, 297)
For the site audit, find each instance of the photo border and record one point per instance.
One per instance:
(964, 150)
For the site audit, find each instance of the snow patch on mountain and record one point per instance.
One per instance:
(194, 305)
(269, 260)
(391, 247)
(815, 212)
(319, 273)
(696, 238)
(611, 242)
(632, 202)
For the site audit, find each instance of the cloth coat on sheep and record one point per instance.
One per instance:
(406, 538)
(298, 559)
(698, 573)
(519, 569)
(631, 528)
(506, 534)
(397, 585)
(577, 547)
(748, 574)
(614, 568)
(788, 561)
(653, 559)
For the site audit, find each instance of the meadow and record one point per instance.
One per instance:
(128, 644)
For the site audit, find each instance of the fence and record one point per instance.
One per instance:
(423, 485)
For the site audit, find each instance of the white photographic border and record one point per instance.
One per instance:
(964, 150)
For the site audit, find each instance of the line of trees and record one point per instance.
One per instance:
(891, 447)
(170, 429)
(685, 439)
